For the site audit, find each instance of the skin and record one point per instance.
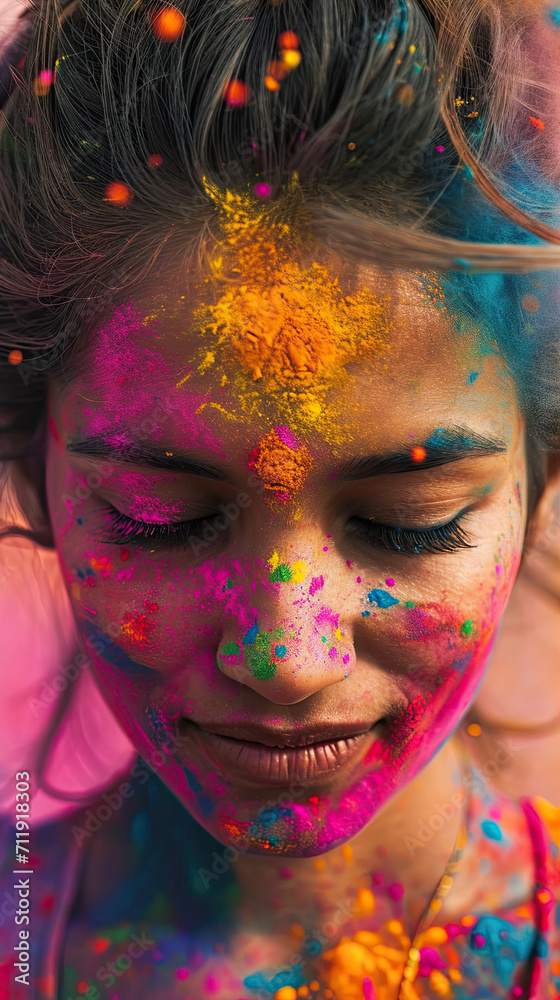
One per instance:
(410, 671)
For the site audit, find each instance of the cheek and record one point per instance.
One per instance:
(440, 652)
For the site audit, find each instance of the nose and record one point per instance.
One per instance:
(295, 643)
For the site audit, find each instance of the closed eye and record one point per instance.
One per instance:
(413, 541)
(122, 530)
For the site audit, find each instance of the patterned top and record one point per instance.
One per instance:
(160, 929)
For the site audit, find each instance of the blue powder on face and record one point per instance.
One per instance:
(553, 14)
(472, 377)
(490, 829)
(382, 598)
(205, 804)
(115, 654)
(251, 635)
(280, 651)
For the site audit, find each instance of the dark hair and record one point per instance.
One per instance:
(406, 127)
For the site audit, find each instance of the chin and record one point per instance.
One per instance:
(298, 823)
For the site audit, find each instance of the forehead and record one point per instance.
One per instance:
(329, 349)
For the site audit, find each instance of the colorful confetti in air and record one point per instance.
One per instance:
(168, 24)
(236, 93)
(118, 193)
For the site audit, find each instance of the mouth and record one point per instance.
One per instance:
(256, 755)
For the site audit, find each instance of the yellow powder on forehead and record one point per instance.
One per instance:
(282, 330)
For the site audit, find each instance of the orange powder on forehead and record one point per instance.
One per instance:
(283, 329)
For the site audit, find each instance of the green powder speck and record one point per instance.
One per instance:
(230, 649)
(409, 604)
(259, 655)
(282, 574)
(467, 628)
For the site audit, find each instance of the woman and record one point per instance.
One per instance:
(280, 382)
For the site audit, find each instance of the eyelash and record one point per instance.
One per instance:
(412, 541)
(123, 529)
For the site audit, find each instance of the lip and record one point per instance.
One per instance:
(285, 757)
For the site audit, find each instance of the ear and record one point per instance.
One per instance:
(28, 482)
(541, 553)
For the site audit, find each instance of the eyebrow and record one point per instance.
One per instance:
(154, 458)
(444, 446)
(441, 448)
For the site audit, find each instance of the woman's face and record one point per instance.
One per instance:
(289, 511)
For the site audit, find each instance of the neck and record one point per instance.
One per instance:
(400, 848)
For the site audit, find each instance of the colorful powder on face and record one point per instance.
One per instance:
(230, 649)
(327, 617)
(287, 438)
(279, 465)
(382, 598)
(251, 634)
(467, 628)
(291, 329)
(102, 565)
(299, 571)
(136, 630)
(116, 655)
(154, 510)
(258, 653)
(282, 574)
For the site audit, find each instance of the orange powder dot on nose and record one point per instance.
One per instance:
(474, 729)
(418, 454)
